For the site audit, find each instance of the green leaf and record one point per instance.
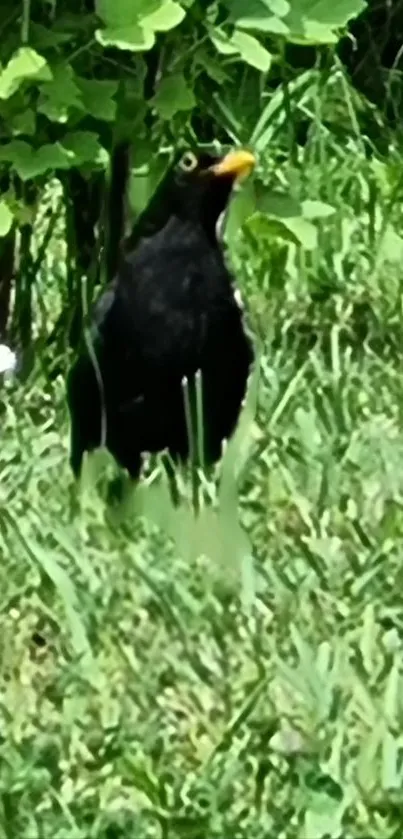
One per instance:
(318, 21)
(256, 8)
(121, 12)
(303, 231)
(6, 219)
(281, 215)
(270, 24)
(82, 147)
(173, 95)
(222, 42)
(23, 122)
(296, 230)
(131, 26)
(19, 154)
(25, 65)
(276, 203)
(77, 148)
(166, 17)
(44, 39)
(278, 7)
(60, 95)
(269, 214)
(316, 209)
(259, 15)
(133, 38)
(45, 159)
(251, 51)
(97, 97)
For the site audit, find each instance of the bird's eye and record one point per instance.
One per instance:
(188, 162)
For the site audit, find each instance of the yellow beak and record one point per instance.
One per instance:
(237, 164)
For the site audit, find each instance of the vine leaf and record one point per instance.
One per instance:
(173, 95)
(132, 25)
(25, 65)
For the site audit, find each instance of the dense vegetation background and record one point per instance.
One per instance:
(240, 675)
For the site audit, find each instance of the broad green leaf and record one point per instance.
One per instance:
(133, 38)
(25, 65)
(318, 21)
(222, 42)
(60, 95)
(6, 219)
(23, 122)
(256, 8)
(97, 97)
(251, 50)
(125, 12)
(132, 26)
(77, 148)
(83, 146)
(296, 230)
(46, 159)
(293, 215)
(303, 231)
(278, 7)
(173, 95)
(43, 38)
(259, 15)
(166, 17)
(276, 203)
(312, 32)
(19, 154)
(316, 209)
(270, 24)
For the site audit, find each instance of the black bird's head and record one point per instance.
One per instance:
(201, 184)
(196, 187)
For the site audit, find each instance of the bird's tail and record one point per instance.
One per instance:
(117, 203)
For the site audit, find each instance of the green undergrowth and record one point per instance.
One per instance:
(239, 675)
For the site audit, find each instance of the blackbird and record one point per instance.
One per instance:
(169, 312)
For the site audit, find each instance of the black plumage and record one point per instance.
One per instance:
(169, 312)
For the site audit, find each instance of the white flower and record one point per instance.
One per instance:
(8, 359)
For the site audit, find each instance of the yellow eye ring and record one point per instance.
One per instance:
(188, 162)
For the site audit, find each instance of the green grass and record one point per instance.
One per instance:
(240, 675)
